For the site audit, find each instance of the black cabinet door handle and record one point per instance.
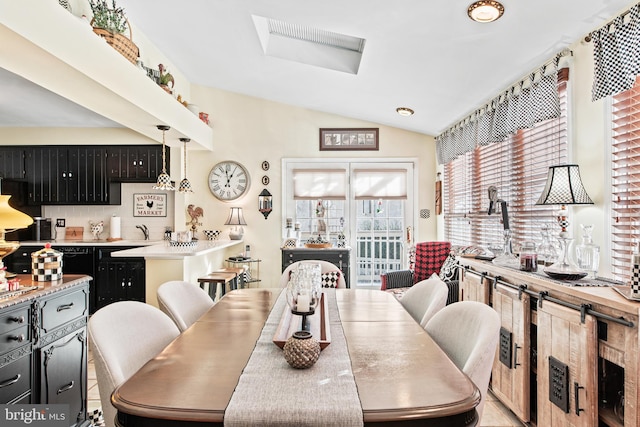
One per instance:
(66, 387)
(18, 338)
(576, 389)
(64, 307)
(10, 381)
(515, 357)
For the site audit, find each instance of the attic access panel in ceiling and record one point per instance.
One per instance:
(311, 46)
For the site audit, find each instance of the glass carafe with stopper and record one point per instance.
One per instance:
(587, 253)
(547, 251)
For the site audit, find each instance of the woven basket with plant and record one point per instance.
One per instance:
(110, 22)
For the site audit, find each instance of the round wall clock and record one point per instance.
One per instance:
(228, 180)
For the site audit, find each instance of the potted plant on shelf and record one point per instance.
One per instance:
(110, 22)
(165, 78)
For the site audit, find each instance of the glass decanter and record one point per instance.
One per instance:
(587, 253)
(547, 251)
(507, 258)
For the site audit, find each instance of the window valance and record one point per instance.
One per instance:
(531, 100)
(616, 54)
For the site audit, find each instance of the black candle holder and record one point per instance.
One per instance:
(304, 314)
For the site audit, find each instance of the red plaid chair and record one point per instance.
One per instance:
(429, 258)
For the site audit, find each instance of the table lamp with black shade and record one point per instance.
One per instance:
(564, 187)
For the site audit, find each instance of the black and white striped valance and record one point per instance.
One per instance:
(529, 101)
(616, 53)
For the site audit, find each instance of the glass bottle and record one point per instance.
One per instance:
(587, 253)
(547, 252)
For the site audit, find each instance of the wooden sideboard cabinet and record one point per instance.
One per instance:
(336, 256)
(43, 346)
(567, 355)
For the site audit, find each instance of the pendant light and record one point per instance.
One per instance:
(164, 180)
(185, 185)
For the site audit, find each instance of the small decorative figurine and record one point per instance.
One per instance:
(96, 228)
(194, 213)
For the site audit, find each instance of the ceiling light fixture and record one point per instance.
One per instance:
(485, 11)
(404, 111)
(164, 180)
(185, 185)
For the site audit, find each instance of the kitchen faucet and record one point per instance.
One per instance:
(144, 230)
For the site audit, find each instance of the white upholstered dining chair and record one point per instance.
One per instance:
(425, 298)
(468, 332)
(325, 266)
(183, 302)
(124, 336)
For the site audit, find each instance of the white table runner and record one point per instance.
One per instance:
(271, 393)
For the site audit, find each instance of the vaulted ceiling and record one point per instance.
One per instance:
(425, 55)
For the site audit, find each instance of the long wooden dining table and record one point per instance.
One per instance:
(403, 378)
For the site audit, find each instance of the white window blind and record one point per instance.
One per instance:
(518, 168)
(326, 184)
(625, 179)
(388, 184)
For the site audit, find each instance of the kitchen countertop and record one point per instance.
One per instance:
(164, 251)
(101, 242)
(43, 288)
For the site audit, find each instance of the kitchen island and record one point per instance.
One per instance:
(43, 355)
(164, 262)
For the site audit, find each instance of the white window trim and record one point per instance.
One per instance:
(411, 163)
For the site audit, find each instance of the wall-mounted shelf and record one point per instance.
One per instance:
(52, 48)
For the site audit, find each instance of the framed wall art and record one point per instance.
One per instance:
(349, 139)
(150, 204)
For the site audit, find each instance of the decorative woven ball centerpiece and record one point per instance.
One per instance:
(301, 350)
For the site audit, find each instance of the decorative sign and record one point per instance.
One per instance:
(152, 204)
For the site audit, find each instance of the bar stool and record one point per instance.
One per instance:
(238, 281)
(215, 278)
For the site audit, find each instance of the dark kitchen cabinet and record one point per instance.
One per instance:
(63, 373)
(12, 161)
(118, 279)
(135, 163)
(43, 355)
(69, 175)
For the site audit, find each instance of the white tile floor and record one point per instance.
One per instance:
(495, 413)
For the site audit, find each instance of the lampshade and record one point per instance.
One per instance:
(10, 219)
(564, 187)
(235, 217)
(164, 180)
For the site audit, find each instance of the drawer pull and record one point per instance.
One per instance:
(18, 338)
(66, 387)
(65, 307)
(10, 381)
(17, 319)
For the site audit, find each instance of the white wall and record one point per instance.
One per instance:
(252, 130)
(248, 130)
